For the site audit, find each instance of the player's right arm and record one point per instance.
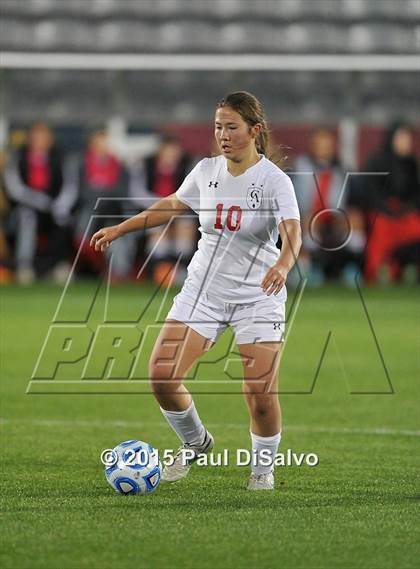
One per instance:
(158, 214)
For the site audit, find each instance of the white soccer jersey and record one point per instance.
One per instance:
(239, 218)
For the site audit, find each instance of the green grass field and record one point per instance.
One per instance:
(359, 508)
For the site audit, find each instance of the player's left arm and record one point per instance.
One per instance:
(291, 241)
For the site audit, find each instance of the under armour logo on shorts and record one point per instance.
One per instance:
(277, 325)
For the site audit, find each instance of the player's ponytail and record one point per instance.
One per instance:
(252, 111)
(262, 142)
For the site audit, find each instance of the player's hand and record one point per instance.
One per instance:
(102, 238)
(274, 279)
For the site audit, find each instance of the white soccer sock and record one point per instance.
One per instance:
(270, 446)
(187, 424)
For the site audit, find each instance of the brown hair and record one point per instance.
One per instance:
(252, 111)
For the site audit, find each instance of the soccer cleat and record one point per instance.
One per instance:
(261, 481)
(181, 465)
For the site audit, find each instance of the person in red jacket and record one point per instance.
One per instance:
(102, 182)
(390, 205)
(42, 203)
(164, 172)
(319, 179)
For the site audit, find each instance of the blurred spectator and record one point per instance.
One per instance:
(318, 179)
(164, 172)
(390, 204)
(5, 256)
(41, 206)
(103, 188)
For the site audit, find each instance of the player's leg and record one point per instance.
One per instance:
(261, 364)
(177, 348)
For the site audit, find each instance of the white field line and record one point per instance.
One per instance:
(380, 431)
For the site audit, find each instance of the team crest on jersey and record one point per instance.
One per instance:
(254, 197)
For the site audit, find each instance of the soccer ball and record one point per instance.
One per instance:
(133, 467)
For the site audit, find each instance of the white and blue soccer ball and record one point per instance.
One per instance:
(133, 467)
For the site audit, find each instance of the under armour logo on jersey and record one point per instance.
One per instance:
(277, 325)
(213, 184)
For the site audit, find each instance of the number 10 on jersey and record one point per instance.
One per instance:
(233, 218)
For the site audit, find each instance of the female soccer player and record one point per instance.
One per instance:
(236, 277)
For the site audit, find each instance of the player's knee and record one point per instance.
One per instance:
(162, 376)
(260, 405)
(160, 385)
(159, 372)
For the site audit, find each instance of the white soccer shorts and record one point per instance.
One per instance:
(261, 321)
